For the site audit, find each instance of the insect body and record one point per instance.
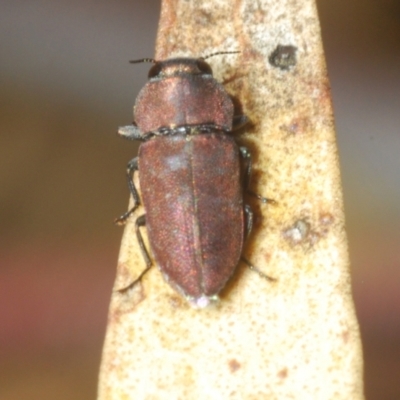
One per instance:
(191, 178)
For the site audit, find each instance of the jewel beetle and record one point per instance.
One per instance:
(192, 177)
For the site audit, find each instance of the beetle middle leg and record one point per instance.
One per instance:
(249, 212)
(130, 170)
(246, 157)
(249, 220)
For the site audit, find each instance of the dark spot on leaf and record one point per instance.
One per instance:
(346, 336)
(176, 301)
(296, 126)
(326, 219)
(283, 373)
(283, 57)
(234, 365)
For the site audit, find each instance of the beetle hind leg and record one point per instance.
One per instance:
(256, 270)
(141, 221)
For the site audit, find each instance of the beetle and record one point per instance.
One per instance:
(192, 177)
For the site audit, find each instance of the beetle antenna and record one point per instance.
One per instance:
(219, 53)
(142, 60)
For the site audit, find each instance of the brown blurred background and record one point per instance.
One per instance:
(65, 87)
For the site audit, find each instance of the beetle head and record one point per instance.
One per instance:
(179, 66)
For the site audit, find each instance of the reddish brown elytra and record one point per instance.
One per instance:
(191, 177)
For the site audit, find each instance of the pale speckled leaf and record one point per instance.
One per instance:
(297, 337)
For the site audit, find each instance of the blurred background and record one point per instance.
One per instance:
(65, 87)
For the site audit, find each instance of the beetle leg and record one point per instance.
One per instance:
(141, 221)
(130, 170)
(261, 198)
(246, 156)
(239, 121)
(130, 132)
(249, 220)
(249, 224)
(256, 270)
(248, 211)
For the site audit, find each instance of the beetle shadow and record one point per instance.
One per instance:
(232, 288)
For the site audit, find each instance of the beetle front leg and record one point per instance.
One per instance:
(130, 170)
(130, 132)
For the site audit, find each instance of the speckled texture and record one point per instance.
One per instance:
(297, 337)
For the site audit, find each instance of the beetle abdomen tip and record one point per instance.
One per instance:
(203, 301)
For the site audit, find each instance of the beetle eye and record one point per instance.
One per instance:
(204, 67)
(154, 70)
